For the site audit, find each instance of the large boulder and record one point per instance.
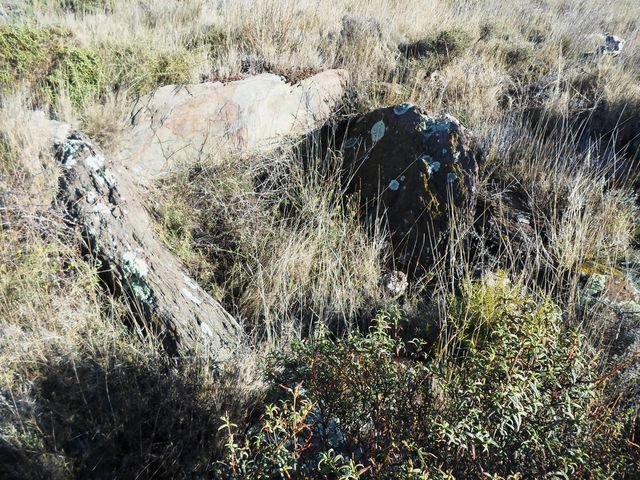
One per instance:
(177, 124)
(411, 167)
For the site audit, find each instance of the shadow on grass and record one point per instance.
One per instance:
(123, 420)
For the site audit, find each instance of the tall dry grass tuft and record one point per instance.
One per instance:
(286, 250)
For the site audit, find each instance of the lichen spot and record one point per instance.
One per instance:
(444, 151)
(206, 329)
(135, 269)
(377, 131)
(402, 108)
(403, 178)
(94, 161)
(189, 283)
(451, 177)
(394, 185)
(351, 142)
(136, 264)
(190, 296)
(435, 166)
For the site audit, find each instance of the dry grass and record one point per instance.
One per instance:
(273, 237)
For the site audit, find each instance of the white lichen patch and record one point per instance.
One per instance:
(190, 296)
(451, 177)
(430, 165)
(206, 329)
(402, 108)
(394, 185)
(101, 208)
(137, 264)
(378, 130)
(94, 161)
(189, 283)
(109, 178)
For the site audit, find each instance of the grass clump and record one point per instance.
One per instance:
(437, 50)
(87, 6)
(281, 243)
(140, 69)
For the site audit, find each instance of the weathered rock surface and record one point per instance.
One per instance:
(119, 232)
(178, 124)
(412, 167)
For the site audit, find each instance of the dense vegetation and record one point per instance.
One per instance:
(502, 360)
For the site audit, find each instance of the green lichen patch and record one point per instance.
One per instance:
(135, 269)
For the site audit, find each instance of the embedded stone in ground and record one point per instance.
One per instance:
(412, 167)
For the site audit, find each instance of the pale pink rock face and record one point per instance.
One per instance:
(180, 124)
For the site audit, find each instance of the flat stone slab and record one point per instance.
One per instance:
(175, 124)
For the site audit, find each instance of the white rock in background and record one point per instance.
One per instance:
(612, 45)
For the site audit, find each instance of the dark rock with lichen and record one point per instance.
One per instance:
(412, 168)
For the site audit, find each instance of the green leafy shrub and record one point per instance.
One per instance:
(78, 71)
(521, 393)
(49, 60)
(508, 393)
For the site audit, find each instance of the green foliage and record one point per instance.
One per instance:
(509, 393)
(141, 68)
(275, 450)
(78, 71)
(48, 59)
(521, 392)
(213, 38)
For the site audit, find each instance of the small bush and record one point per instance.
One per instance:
(48, 60)
(512, 394)
(87, 6)
(77, 71)
(445, 45)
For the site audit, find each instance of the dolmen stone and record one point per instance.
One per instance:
(177, 125)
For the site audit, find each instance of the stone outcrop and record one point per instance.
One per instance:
(178, 124)
(413, 168)
(107, 207)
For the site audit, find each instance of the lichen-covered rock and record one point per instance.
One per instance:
(411, 167)
(614, 295)
(118, 230)
(612, 45)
